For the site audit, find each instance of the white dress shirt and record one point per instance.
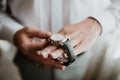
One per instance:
(52, 15)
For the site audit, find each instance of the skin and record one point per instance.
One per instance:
(24, 40)
(82, 36)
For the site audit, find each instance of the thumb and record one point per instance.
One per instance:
(41, 34)
(35, 32)
(37, 46)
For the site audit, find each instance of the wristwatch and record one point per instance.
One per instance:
(64, 42)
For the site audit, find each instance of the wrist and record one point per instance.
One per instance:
(96, 24)
(15, 37)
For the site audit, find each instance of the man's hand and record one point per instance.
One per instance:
(25, 41)
(82, 36)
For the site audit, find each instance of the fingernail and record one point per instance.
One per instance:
(63, 68)
(65, 55)
(38, 53)
(45, 54)
(54, 55)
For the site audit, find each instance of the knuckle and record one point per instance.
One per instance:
(27, 29)
(82, 42)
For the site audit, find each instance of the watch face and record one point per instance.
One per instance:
(58, 37)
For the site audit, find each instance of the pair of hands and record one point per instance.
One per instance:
(82, 36)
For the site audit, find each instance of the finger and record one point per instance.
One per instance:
(66, 30)
(74, 34)
(56, 53)
(63, 30)
(35, 32)
(69, 29)
(58, 65)
(77, 40)
(45, 52)
(48, 62)
(38, 53)
(65, 55)
(79, 48)
(54, 64)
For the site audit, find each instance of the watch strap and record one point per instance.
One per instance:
(69, 50)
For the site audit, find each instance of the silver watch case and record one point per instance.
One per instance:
(57, 39)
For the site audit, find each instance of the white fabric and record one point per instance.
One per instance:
(48, 14)
(8, 27)
(8, 70)
(105, 61)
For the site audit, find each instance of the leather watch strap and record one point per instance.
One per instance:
(69, 50)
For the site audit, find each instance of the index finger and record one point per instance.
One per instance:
(58, 65)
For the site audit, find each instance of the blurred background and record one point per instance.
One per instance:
(104, 65)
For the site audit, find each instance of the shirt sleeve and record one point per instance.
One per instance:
(110, 18)
(8, 27)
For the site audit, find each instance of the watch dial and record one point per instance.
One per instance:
(58, 37)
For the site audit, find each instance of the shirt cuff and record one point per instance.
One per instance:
(9, 28)
(107, 21)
